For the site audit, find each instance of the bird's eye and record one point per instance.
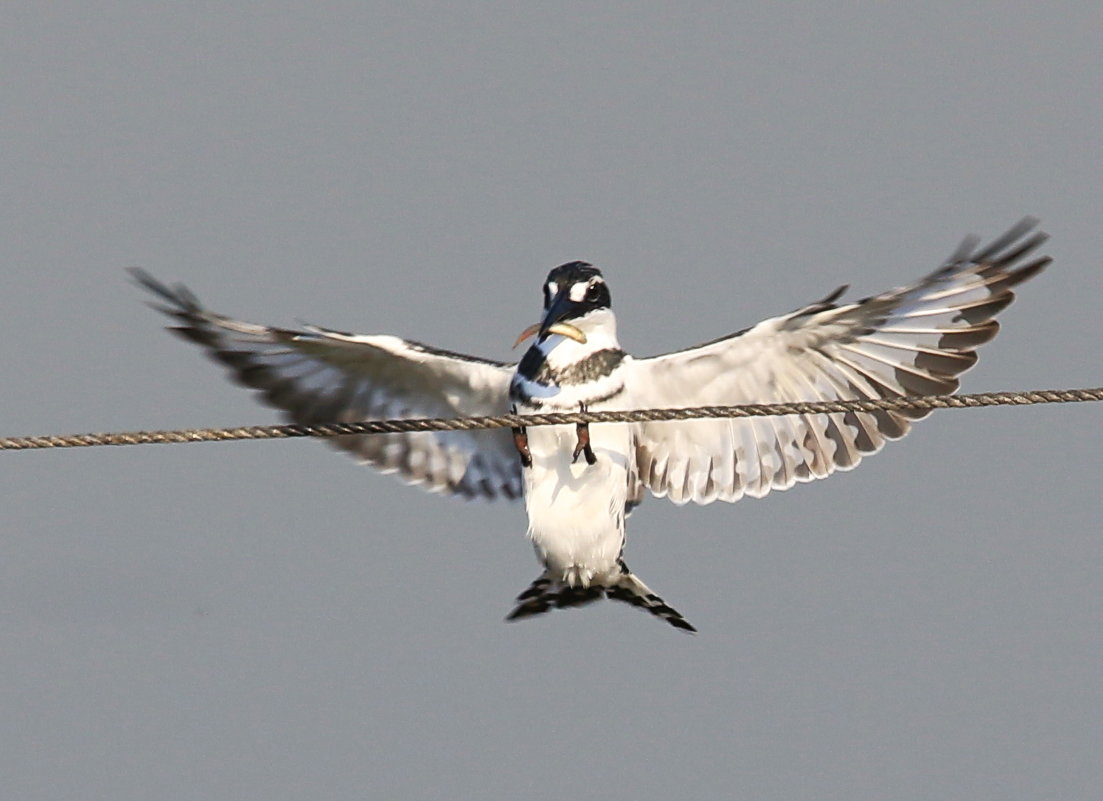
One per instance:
(593, 293)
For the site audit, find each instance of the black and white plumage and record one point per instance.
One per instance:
(579, 484)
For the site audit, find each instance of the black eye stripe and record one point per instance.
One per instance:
(583, 284)
(598, 294)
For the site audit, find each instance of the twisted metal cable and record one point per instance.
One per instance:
(920, 402)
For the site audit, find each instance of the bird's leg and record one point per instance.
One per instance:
(521, 443)
(582, 431)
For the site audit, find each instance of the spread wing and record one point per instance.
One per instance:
(316, 375)
(914, 340)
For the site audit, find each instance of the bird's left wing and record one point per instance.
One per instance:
(914, 340)
(320, 376)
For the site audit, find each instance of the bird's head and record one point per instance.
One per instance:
(576, 305)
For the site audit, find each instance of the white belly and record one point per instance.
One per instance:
(576, 510)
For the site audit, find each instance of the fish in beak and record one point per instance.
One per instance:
(563, 329)
(553, 322)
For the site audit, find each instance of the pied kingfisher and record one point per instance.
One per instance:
(580, 484)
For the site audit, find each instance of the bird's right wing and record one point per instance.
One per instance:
(914, 340)
(321, 376)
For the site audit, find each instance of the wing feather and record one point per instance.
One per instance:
(316, 375)
(913, 340)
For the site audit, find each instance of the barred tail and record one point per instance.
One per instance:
(633, 591)
(545, 594)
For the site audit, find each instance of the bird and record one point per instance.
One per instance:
(580, 483)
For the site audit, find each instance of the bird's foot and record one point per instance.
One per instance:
(521, 442)
(582, 445)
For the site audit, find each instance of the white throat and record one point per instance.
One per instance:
(600, 328)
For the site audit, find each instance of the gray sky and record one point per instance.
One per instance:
(269, 621)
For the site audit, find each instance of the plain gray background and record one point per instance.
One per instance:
(269, 621)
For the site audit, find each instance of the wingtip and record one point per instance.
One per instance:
(182, 298)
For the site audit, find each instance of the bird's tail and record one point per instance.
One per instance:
(545, 594)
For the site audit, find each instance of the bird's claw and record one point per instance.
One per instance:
(521, 442)
(582, 431)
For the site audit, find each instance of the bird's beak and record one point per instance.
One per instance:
(553, 323)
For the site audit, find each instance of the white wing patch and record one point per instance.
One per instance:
(316, 375)
(914, 340)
